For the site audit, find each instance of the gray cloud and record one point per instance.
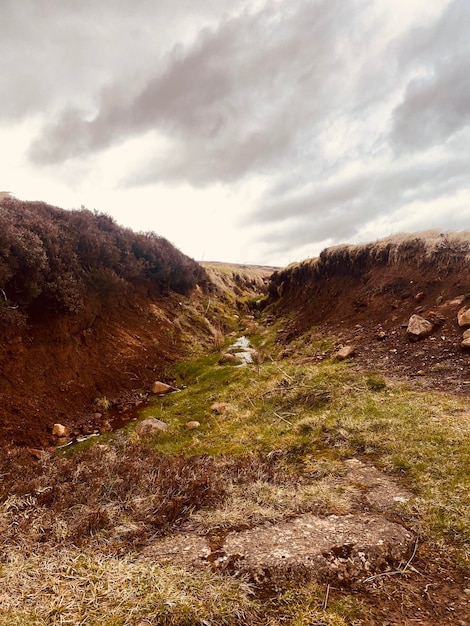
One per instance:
(436, 103)
(241, 99)
(60, 51)
(344, 118)
(340, 209)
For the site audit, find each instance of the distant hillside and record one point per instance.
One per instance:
(52, 261)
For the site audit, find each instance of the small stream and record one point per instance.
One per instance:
(120, 415)
(243, 349)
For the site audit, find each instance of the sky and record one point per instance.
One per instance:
(247, 131)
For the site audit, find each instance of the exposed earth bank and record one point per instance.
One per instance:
(364, 296)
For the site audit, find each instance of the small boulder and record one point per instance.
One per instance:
(418, 328)
(466, 343)
(192, 425)
(229, 359)
(466, 334)
(162, 388)
(37, 454)
(219, 407)
(463, 316)
(151, 426)
(59, 430)
(345, 352)
(62, 441)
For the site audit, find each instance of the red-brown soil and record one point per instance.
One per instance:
(371, 309)
(54, 372)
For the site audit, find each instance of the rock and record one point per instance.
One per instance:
(151, 426)
(62, 441)
(106, 427)
(336, 548)
(59, 430)
(192, 425)
(381, 335)
(466, 343)
(219, 407)
(435, 318)
(345, 352)
(228, 358)
(463, 316)
(466, 334)
(37, 454)
(419, 296)
(418, 328)
(162, 388)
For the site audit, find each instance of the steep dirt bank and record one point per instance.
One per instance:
(365, 295)
(63, 370)
(53, 372)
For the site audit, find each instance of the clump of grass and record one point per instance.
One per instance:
(72, 587)
(306, 605)
(259, 502)
(375, 381)
(307, 425)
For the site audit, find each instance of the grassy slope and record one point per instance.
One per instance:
(73, 528)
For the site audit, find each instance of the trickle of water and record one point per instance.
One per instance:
(243, 350)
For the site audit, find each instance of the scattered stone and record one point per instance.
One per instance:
(62, 441)
(228, 358)
(106, 427)
(420, 373)
(151, 426)
(59, 430)
(219, 407)
(466, 343)
(463, 316)
(37, 454)
(458, 300)
(418, 328)
(192, 425)
(419, 296)
(345, 352)
(337, 548)
(466, 334)
(381, 335)
(435, 318)
(162, 388)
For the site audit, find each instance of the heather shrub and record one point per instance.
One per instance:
(51, 259)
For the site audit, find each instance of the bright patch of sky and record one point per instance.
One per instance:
(248, 131)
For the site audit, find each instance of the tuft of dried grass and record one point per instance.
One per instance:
(72, 587)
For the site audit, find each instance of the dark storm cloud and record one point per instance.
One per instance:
(240, 100)
(436, 103)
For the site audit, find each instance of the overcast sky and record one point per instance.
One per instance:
(253, 131)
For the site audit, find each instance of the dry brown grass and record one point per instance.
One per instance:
(68, 587)
(110, 495)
